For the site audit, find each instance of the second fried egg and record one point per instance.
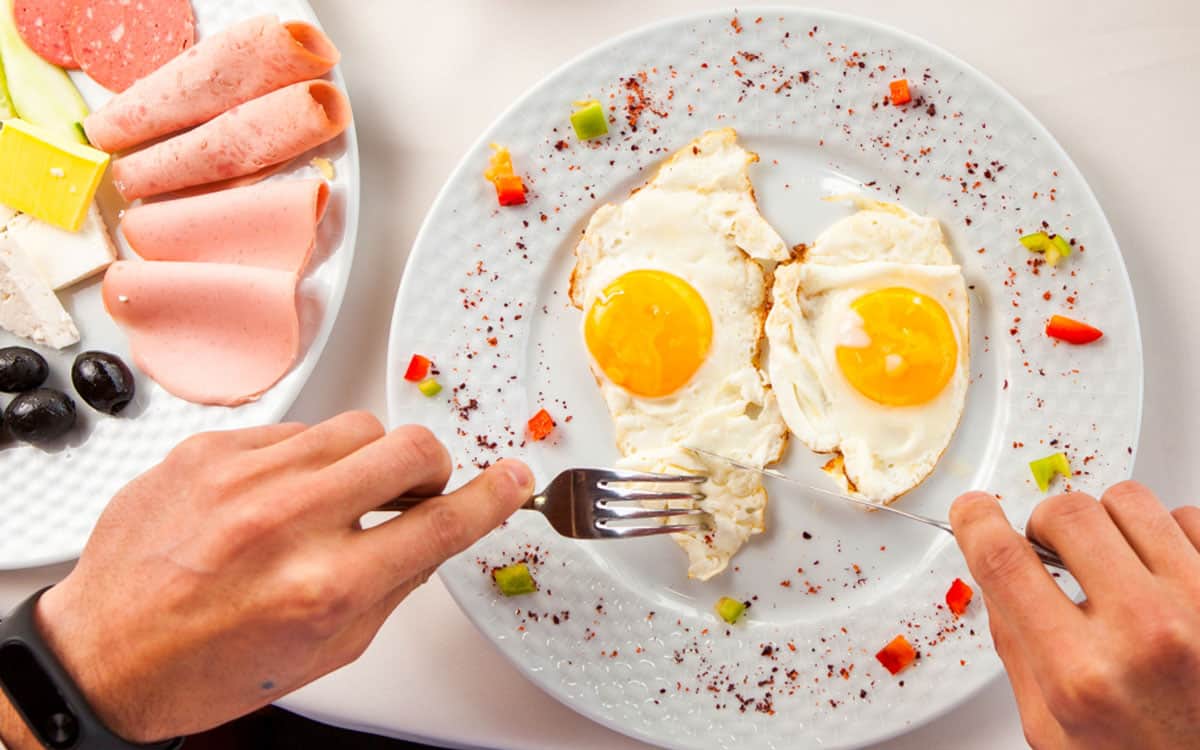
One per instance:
(869, 348)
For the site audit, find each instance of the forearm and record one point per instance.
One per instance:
(14, 735)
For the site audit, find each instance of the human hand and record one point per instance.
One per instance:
(236, 571)
(1122, 669)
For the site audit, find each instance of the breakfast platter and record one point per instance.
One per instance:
(795, 239)
(178, 209)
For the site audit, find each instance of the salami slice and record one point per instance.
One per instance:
(116, 42)
(43, 24)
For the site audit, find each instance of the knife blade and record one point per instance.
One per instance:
(1047, 555)
(819, 490)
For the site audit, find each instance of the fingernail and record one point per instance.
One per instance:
(519, 473)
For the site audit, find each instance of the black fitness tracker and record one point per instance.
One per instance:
(45, 696)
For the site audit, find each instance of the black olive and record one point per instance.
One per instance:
(40, 415)
(21, 369)
(103, 380)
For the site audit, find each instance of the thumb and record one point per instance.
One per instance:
(453, 522)
(441, 527)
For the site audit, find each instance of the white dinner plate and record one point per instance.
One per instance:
(617, 631)
(51, 498)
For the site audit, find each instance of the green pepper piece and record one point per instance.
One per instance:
(430, 387)
(1037, 242)
(729, 609)
(1045, 469)
(514, 580)
(589, 121)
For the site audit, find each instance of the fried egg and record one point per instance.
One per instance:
(869, 348)
(674, 303)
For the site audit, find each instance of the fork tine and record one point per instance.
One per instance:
(616, 493)
(626, 512)
(624, 532)
(605, 476)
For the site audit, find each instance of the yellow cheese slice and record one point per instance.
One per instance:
(48, 176)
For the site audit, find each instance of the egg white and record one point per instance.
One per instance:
(884, 451)
(697, 219)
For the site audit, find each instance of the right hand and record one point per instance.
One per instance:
(1122, 669)
(236, 570)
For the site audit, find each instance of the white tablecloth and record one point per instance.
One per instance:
(1116, 82)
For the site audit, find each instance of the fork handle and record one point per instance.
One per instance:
(402, 504)
(1047, 555)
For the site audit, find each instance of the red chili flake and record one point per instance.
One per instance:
(736, 24)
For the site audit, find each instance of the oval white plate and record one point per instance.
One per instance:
(50, 499)
(617, 631)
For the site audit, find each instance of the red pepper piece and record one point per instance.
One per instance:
(959, 597)
(899, 92)
(897, 655)
(510, 190)
(541, 425)
(418, 368)
(1071, 331)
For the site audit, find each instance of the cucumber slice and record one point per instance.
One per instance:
(6, 108)
(41, 93)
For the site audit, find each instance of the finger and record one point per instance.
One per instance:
(1041, 728)
(1085, 537)
(1010, 574)
(329, 441)
(407, 461)
(254, 438)
(1188, 518)
(1149, 528)
(436, 530)
(203, 449)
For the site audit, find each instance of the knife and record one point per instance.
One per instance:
(1044, 553)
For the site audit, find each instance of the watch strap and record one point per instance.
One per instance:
(46, 696)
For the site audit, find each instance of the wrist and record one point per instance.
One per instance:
(88, 658)
(14, 735)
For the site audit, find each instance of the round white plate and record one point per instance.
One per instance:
(51, 498)
(617, 631)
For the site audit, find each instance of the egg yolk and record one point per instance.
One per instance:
(649, 332)
(906, 351)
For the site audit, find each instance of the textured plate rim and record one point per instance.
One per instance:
(547, 681)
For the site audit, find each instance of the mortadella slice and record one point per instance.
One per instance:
(209, 333)
(270, 225)
(268, 130)
(241, 63)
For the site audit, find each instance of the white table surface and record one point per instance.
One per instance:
(1116, 82)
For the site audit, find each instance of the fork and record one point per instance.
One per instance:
(591, 504)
